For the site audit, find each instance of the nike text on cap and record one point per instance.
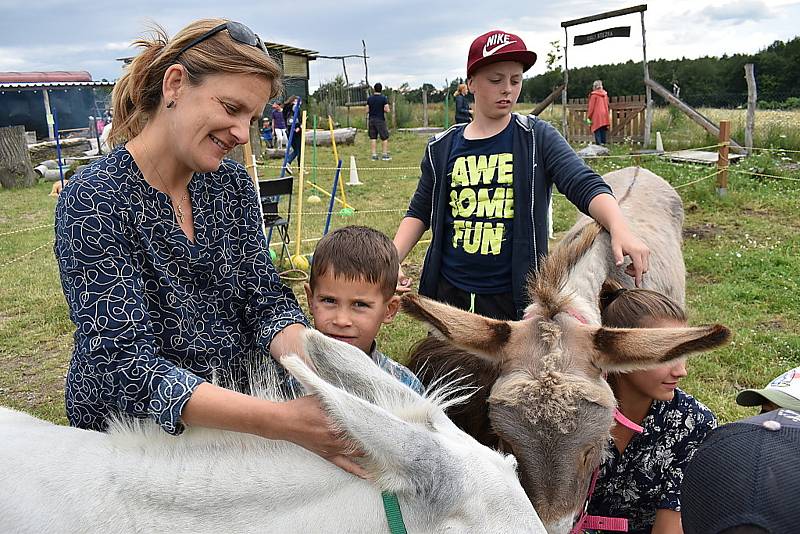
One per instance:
(498, 45)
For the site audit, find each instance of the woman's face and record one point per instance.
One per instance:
(210, 119)
(496, 88)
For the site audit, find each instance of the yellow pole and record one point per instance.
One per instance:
(336, 157)
(301, 190)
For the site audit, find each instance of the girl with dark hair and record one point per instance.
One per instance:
(641, 478)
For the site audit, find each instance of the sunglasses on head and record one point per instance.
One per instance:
(238, 32)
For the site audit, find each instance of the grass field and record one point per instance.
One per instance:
(742, 255)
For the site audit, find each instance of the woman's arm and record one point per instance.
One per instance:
(301, 421)
(605, 210)
(115, 340)
(667, 522)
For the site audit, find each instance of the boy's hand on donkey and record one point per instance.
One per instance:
(626, 244)
(403, 282)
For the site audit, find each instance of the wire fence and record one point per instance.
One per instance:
(403, 209)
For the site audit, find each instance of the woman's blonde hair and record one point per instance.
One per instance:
(597, 84)
(137, 94)
(460, 89)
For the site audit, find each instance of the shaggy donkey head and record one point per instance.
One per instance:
(550, 405)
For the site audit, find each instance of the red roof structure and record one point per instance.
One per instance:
(43, 77)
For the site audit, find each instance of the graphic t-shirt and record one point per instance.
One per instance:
(375, 104)
(479, 218)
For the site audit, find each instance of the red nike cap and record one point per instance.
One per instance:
(498, 45)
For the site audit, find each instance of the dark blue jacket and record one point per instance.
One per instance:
(462, 109)
(541, 158)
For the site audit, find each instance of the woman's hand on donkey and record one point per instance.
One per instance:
(307, 425)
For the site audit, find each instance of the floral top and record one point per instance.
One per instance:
(157, 314)
(648, 475)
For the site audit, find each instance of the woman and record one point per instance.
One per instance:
(597, 113)
(162, 256)
(463, 113)
(641, 479)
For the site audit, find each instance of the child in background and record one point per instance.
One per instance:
(782, 392)
(641, 478)
(266, 132)
(351, 292)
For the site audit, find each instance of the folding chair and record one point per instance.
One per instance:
(270, 193)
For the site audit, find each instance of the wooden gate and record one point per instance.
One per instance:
(627, 119)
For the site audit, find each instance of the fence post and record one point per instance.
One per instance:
(722, 160)
(751, 107)
(424, 108)
(394, 110)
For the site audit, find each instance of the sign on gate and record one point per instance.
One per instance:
(589, 38)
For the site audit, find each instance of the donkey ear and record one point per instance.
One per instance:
(351, 369)
(630, 349)
(474, 333)
(399, 456)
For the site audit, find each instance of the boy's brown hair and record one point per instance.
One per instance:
(357, 253)
(636, 308)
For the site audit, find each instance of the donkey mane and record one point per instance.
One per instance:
(547, 287)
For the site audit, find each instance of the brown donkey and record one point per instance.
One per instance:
(541, 390)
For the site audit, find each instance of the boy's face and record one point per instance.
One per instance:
(496, 88)
(348, 310)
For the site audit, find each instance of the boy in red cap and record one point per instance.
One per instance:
(485, 190)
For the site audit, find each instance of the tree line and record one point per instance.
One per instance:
(707, 81)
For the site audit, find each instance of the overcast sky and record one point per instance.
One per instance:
(408, 41)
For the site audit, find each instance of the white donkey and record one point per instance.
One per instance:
(138, 479)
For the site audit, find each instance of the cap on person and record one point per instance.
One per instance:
(744, 478)
(498, 45)
(784, 392)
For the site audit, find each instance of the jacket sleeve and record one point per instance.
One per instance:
(271, 304)
(105, 296)
(421, 205)
(592, 105)
(566, 169)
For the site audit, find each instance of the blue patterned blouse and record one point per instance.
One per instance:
(156, 314)
(648, 475)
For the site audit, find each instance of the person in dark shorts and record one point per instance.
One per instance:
(378, 106)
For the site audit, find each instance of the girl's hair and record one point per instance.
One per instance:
(597, 84)
(460, 89)
(137, 94)
(636, 308)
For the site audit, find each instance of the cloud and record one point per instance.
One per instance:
(738, 12)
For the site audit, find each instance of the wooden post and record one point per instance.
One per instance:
(648, 115)
(48, 114)
(15, 162)
(750, 124)
(722, 160)
(690, 112)
(394, 110)
(564, 91)
(541, 106)
(424, 108)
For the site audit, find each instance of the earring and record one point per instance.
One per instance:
(171, 104)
